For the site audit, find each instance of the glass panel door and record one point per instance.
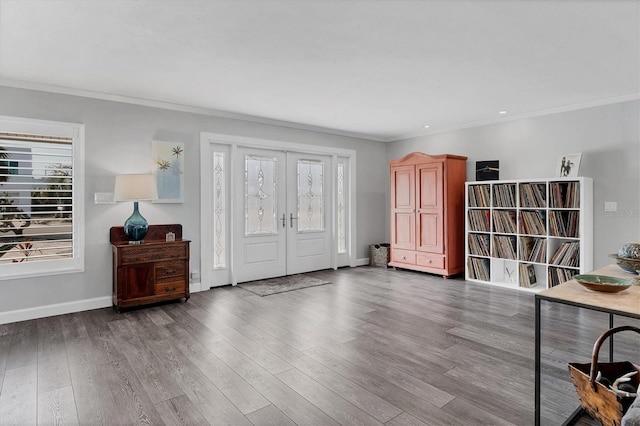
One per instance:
(260, 238)
(309, 232)
(261, 189)
(310, 195)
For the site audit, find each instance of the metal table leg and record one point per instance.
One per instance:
(610, 338)
(537, 363)
(579, 412)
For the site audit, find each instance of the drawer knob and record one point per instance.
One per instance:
(430, 261)
(170, 271)
(168, 289)
(404, 257)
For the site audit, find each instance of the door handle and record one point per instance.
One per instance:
(291, 218)
(284, 220)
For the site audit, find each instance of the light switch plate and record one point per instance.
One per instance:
(610, 206)
(103, 198)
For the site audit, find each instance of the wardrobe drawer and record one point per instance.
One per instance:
(403, 256)
(431, 260)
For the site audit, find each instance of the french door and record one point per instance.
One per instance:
(285, 206)
(272, 208)
(309, 192)
(286, 226)
(260, 236)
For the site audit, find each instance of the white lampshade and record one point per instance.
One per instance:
(135, 188)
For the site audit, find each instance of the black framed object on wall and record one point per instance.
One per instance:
(488, 170)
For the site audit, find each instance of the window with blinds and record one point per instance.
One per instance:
(39, 202)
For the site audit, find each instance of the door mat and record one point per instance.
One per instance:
(281, 284)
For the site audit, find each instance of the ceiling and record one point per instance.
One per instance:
(380, 70)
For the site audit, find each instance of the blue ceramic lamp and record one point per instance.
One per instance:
(139, 187)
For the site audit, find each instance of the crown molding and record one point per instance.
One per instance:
(507, 118)
(279, 123)
(19, 84)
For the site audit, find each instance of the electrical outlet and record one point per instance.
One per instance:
(610, 206)
(195, 275)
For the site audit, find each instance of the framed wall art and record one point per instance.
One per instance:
(488, 170)
(168, 168)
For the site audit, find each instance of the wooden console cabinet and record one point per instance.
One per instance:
(153, 271)
(427, 213)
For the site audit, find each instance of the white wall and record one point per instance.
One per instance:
(118, 140)
(608, 136)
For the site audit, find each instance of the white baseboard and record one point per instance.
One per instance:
(66, 308)
(55, 309)
(362, 262)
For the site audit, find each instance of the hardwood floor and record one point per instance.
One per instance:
(375, 347)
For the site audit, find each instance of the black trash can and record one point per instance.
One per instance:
(379, 254)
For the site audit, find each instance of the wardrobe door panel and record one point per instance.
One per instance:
(430, 208)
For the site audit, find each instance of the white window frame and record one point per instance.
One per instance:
(74, 131)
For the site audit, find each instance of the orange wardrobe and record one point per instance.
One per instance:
(427, 213)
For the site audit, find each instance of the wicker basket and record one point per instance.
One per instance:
(598, 400)
(379, 254)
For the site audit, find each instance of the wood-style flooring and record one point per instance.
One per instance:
(375, 347)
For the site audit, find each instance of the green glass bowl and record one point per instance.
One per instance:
(603, 283)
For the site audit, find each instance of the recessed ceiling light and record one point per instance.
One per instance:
(426, 126)
(504, 111)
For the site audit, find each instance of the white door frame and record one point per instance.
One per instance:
(230, 143)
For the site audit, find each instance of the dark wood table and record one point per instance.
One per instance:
(625, 303)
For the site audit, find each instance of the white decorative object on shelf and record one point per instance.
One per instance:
(528, 233)
(569, 165)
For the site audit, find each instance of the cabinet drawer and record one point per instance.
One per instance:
(432, 261)
(403, 256)
(150, 253)
(170, 271)
(170, 287)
